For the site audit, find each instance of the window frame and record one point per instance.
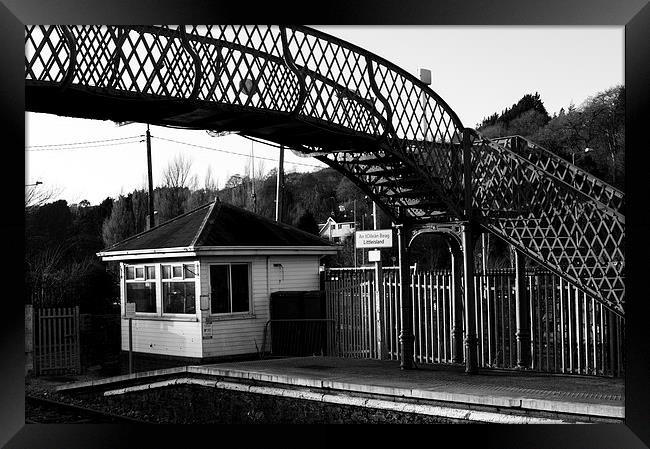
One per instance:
(158, 282)
(142, 280)
(231, 314)
(182, 278)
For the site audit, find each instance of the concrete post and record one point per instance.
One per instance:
(471, 342)
(522, 311)
(406, 336)
(29, 339)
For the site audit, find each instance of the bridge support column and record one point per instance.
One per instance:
(522, 312)
(457, 310)
(406, 336)
(471, 342)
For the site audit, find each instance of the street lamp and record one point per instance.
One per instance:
(35, 184)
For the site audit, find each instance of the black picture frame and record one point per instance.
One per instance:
(633, 14)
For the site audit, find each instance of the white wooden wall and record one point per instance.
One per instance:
(166, 337)
(245, 335)
(231, 335)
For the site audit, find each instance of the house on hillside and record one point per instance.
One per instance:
(336, 231)
(202, 282)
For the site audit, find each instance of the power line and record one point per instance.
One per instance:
(121, 141)
(88, 146)
(230, 152)
(81, 143)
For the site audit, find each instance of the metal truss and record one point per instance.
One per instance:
(584, 181)
(362, 115)
(551, 221)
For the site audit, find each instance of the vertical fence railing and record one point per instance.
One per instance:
(350, 303)
(56, 340)
(432, 317)
(571, 333)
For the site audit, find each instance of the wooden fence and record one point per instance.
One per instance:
(56, 340)
(570, 331)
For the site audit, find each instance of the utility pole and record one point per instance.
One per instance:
(253, 194)
(280, 186)
(152, 223)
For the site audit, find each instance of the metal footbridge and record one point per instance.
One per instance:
(380, 126)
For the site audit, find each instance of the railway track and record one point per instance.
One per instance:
(46, 411)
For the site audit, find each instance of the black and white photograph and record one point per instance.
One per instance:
(326, 224)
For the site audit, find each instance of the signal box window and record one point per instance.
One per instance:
(141, 287)
(230, 288)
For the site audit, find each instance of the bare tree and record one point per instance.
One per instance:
(209, 183)
(175, 191)
(36, 196)
(206, 194)
(177, 173)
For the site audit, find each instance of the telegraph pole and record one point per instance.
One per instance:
(280, 186)
(253, 194)
(150, 179)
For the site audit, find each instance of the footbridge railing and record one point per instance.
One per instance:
(549, 220)
(580, 179)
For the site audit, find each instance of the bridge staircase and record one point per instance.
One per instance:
(562, 217)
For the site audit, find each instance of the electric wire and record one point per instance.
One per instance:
(130, 140)
(229, 152)
(85, 144)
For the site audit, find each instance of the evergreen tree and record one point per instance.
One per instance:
(307, 223)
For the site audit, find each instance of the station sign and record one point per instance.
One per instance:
(374, 255)
(207, 330)
(378, 238)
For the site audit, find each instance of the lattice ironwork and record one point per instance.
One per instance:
(379, 125)
(552, 222)
(571, 174)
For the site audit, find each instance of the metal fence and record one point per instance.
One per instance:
(56, 340)
(350, 303)
(570, 331)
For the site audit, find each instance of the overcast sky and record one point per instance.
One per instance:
(476, 70)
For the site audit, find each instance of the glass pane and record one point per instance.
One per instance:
(188, 271)
(219, 290)
(143, 294)
(130, 272)
(151, 272)
(139, 273)
(166, 271)
(179, 297)
(177, 272)
(240, 295)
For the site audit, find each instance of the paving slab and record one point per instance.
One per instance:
(442, 390)
(594, 396)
